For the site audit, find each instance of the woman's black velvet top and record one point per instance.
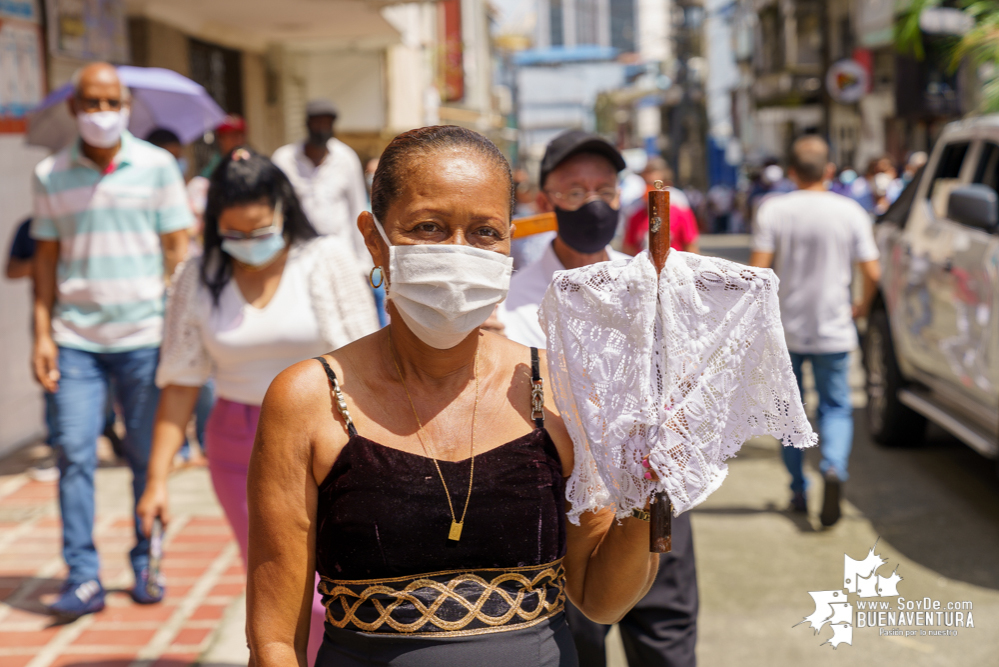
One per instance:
(383, 512)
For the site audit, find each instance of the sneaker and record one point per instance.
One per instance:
(148, 591)
(79, 600)
(44, 473)
(799, 503)
(830, 500)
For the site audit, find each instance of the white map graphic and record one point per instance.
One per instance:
(888, 586)
(823, 608)
(854, 569)
(867, 587)
(842, 634)
(833, 607)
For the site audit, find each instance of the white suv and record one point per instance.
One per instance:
(932, 344)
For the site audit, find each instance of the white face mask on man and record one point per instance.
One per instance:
(102, 129)
(443, 292)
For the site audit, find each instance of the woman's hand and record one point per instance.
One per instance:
(174, 411)
(153, 504)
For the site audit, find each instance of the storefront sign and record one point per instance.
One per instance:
(22, 82)
(847, 81)
(875, 22)
(945, 21)
(23, 10)
(88, 30)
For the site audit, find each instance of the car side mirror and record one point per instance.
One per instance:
(974, 205)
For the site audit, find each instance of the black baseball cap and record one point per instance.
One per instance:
(573, 142)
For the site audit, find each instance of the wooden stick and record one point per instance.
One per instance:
(660, 528)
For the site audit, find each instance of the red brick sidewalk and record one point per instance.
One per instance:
(201, 562)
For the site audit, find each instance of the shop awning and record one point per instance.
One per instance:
(256, 24)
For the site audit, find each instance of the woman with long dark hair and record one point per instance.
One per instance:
(421, 470)
(266, 294)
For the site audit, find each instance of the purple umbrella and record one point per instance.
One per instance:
(160, 98)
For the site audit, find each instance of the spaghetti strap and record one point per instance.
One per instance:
(537, 390)
(341, 404)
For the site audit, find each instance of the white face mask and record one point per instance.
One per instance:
(443, 292)
(102, 129)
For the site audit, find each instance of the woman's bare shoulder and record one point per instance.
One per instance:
(297, 389)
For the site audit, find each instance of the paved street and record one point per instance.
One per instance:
(205, 576)
(933, 512)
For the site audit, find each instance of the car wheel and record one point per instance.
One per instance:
(889, 421)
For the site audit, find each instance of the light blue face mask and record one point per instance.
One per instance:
(260, 251)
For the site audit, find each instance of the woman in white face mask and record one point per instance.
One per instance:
(266, 294)
(421, 470)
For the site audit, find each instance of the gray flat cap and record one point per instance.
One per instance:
(321, 107)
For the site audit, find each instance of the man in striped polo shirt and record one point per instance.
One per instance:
(111, 219)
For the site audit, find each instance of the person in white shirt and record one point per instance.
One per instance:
(266, 294)
(813, 238)
(579, 183)
(328, 178)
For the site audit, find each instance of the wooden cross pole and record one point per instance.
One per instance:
(660, 528)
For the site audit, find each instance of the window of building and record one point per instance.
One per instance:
(808, 33)
(555, 14)
(586, 22)
(622, 25)
(770, 56)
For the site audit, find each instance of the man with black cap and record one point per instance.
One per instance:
(327, 176)
(579, 182)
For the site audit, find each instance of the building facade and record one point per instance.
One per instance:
(379, 62)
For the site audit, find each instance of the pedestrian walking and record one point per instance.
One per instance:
(813, 238)
(267, 293)
(229, 135)
(439, 530)
(683, 231)
(110, 222)
(579, 182)
(170, 142)
(328, 178)
(20, 259)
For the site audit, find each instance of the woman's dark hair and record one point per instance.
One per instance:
(398, 157)
(245, 177)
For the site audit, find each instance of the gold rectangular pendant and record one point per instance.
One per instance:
(455, 532)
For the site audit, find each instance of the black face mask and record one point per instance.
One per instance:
(589, 228)
(320, 137)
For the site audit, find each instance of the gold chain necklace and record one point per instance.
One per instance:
(454, 533)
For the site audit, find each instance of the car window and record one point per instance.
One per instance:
(945, 177)
(987, 171)
(898, 212)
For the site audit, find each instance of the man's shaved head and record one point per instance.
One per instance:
(809, 157)
(95, 83)
(103, 74)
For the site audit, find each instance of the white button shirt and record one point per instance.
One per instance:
(332, 194)
(519, 312)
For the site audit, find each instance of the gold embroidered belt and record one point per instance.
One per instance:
(453, 603)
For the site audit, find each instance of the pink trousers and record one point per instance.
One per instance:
(229, 441)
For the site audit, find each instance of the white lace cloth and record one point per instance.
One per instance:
(686, 383)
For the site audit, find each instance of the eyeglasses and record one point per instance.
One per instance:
(91, 104)
(276, 227)
(576, 197)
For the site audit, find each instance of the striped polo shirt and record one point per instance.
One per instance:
(110, 289)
